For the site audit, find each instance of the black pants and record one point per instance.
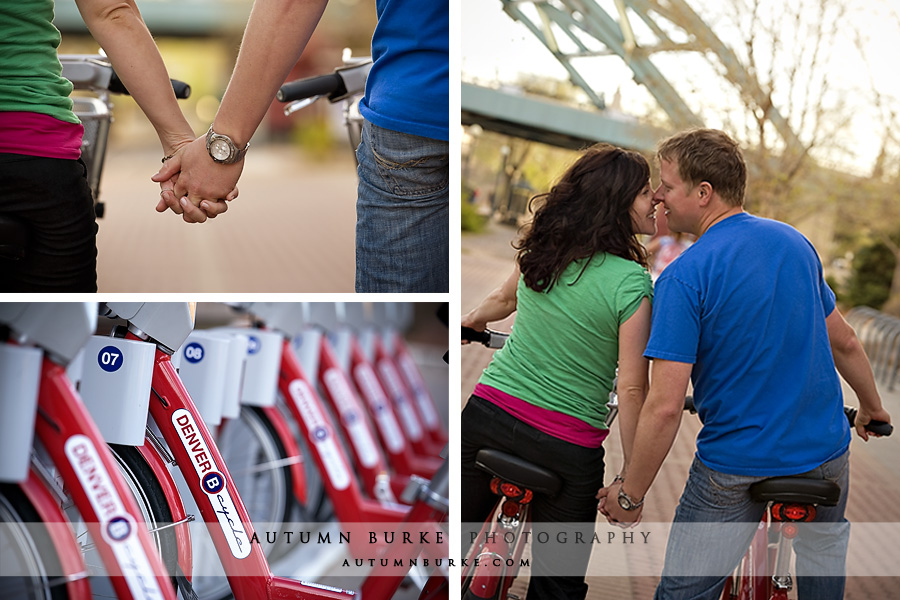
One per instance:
(52, 198)
(557, 570)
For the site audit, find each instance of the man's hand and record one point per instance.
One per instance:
(863, 417)
(615, 514)
(195, 186)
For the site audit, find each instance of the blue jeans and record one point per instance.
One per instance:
(402, 213)
(702, 549)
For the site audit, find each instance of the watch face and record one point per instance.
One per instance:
(219, 149)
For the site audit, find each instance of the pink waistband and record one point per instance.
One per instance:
(551, 422)
(37, 134)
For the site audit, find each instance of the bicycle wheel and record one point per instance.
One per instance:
(257, 462)
(154, 510)
(28, 561)
(152, 502)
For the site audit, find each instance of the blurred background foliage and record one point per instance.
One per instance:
(199, 41)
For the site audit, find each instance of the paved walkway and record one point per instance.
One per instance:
(874, 504)
(292, 229)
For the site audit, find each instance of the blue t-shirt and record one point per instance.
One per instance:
(408, 88)
(746, 305)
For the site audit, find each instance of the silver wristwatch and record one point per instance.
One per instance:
(222, 149)
(627, 503)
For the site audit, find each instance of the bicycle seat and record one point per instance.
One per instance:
(797, 490)
(13, 238)
(520, 472)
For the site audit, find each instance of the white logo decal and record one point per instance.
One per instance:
(404, 408)
(213, 482)
(116, 525)
(423, 399)
(325, 444)
(378, 402)
(350, 412)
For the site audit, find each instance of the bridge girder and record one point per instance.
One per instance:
(577, 18)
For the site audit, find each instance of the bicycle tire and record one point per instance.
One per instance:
(154, 510)
(24, 542)
(152, 501)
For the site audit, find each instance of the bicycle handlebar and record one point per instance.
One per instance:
(488, 337)
(876, 427)
(345, 81)
(182, 90)
(93, 72)
(320, 85)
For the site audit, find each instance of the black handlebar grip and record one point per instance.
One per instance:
(689, 404)
(320, 85)
(181, 89)
(116, 86)
(482, 337)
(877, 427)
(880, 427)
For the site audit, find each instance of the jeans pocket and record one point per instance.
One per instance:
(411, 166)
(729, 490)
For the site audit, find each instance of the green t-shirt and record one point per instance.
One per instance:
(564, 347)
(30, 74)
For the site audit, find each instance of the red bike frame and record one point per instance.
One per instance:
(401, 453)
(72, 567)
(219, 503)
(416, 384)
(354, 422)
(98, 490)
(404, 404)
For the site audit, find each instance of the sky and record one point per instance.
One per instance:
(497, 49)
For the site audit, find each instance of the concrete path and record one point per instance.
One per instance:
(292, 229)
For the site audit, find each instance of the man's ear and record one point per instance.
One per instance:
(705, 191)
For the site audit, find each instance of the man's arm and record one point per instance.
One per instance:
(853, 365)
(656, 430)
(276, 35)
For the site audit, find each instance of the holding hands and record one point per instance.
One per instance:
(193, 185)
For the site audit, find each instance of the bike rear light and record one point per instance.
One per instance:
(793, 512)
(510, 509)
(511, 491)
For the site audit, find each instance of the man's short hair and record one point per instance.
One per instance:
(708, 155)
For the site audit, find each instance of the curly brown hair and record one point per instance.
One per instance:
(587, 212)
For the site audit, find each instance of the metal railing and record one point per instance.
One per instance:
(880, 336)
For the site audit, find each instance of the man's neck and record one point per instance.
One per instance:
(715, 217)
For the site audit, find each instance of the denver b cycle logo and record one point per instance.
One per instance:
(213, 483)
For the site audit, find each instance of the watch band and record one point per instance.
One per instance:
(234, 154)
(631, 504)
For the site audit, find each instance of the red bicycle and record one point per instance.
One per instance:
(194, 450)
(40, 554)
(764, 572)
